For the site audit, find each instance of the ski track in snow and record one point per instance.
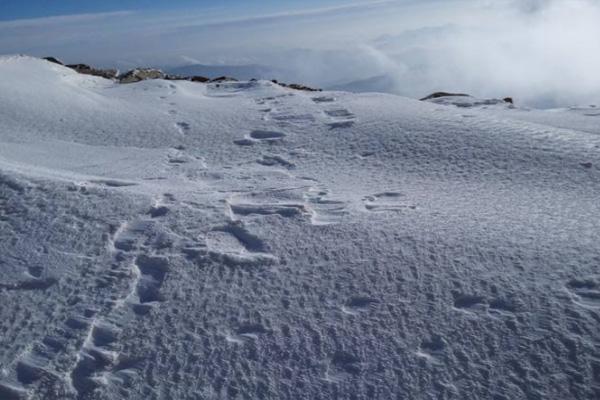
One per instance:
(166, 240)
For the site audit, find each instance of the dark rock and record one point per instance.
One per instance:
(53, 60)
(586, 165)
(87, 70)
(435, 344)
(224, 79)
(296, 86)
(437, 95)
(508, 100)
(78, 67)
(141, 74)
(200, 79)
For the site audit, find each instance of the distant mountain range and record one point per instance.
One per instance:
(380, 84)
(241, 72)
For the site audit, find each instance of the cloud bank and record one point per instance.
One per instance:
(545, 53)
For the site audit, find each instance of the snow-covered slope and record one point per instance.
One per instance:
(174, 240)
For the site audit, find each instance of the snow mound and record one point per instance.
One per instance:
(178, 240)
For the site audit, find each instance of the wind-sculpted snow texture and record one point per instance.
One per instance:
(177, 240)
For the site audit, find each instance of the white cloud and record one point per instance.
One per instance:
(546, 57)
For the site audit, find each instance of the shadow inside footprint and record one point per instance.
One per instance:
(112, 183)
(323, 99)
(184, 126)
(266, 135)
(347, 362)
(153, 271)
(340, 113)
(340, 125)
(158, 211)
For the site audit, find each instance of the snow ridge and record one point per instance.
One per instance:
(174, 239)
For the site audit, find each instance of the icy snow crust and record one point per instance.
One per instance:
(175, 240)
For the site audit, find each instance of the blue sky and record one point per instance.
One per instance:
(25, 9)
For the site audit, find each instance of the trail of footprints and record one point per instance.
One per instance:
(133, 244)
(283, 115)
(317, 203)
(275, 109)
(314, 203)
(132, 283)
(584, 292)
(287, 116)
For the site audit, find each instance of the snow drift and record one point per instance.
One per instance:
(171, 239)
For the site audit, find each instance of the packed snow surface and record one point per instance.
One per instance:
(240, 240)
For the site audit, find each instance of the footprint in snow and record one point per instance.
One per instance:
(286, 204)
(356, 305)
(113, 183)
(234, 246)
(340, 118)
(152, 274)
(275, 160)
(259, 136)
(387, 201)
(159, 209)
(585, 291)
(339, 113)
(244, 142)
(182, 127)
(324, 209)
(340, 125)
(266, 135)
(346, 363)
(433, 347)
(323, 99)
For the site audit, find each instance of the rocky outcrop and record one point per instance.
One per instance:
(471, 102)
(467, 101)
(87, 70)
(437, 95)
(141, 74)
(200, 79)
(224, 79)
(296, 86)
(53, 60)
